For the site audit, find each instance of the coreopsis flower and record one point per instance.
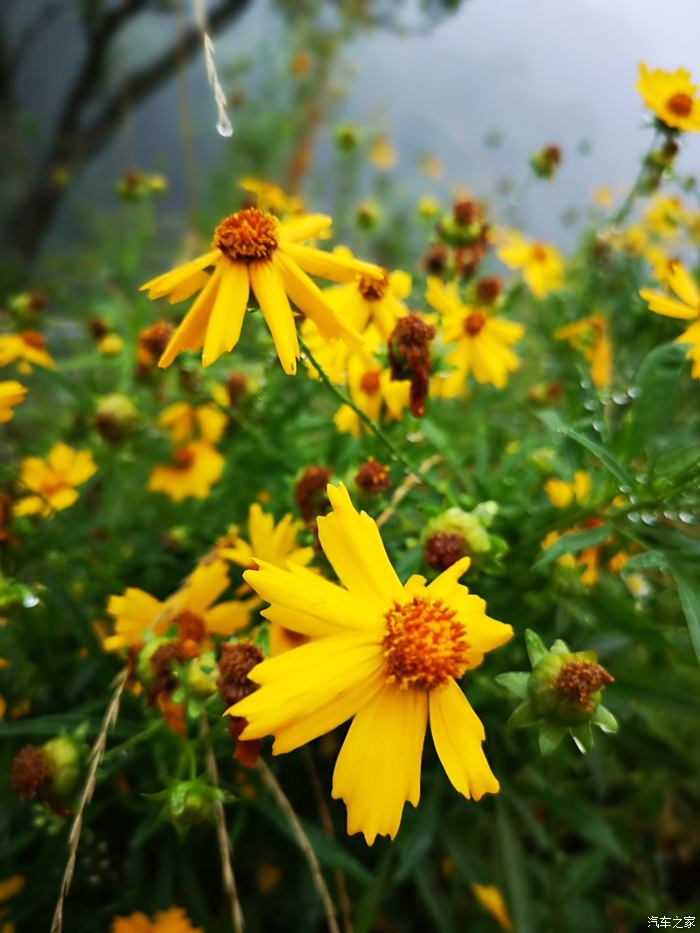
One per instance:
(111, 345)
(382, 154)
(11, 394)
(254, 250)
(190, 613)
(274, 543)
(270, 197)
(371, 300)
(590, 559)
(408, 349)
(53, 482)
(374, 391)
(665, 216)
(590, 336)
(173, 920)
(541, 263)
(482, 340)
(562, 494)
(685, 307)
(387, 654)
(27, 349)
(671, 95)
(196, 467)
(185, 421)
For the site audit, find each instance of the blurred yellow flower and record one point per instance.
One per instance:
(492, 901)
(25, 349)
(664, 215)
(185, 421)
(254, 250)
(270, 197)
(371, 300)
(603, 196)
(482, 340)
(386, 653)
(428, 207)
(11, 394)
(174, 920)
(190, 612)
(687, 308)
(541, 263)
(53, 481)
(671, 95)
(111, 345)
(273, 543)
(196, 467)
(382, 154)
(562, 494)
(373, 391)
(589, 335)
(431, 166)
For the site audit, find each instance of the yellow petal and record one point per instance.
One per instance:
(378, 768)
(330, 265)
(169, 281)
(684, 285)
(226, 319)
(458, 733)
(669, 307)
(190, 333)
(274, 305)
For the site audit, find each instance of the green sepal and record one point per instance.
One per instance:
(583, 737)
(605, 720)
(550, 738)
(515, 682)
(523, 716)
(535, 647)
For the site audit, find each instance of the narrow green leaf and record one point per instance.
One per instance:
(514, 870)
(605, 457)
(689, 593)
(574, 542)
(535, 647)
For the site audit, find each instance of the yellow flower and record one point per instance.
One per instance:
(26, 348)
(431, 166)
(195, 469)
(562, 494)
(671, 96)
(11, 394)
(370, 300)
(603, 196)
(184, 421)
(174, 920)
(189, 612)
(382, 154)
(491, 900)
(687, 308)
(541, 263)
(632, 240)
(482, 340)
(53, 480)
(428, 207)
(373, 391)
(111, 345)
(10, 887)
(275, 544)
(270, 197)
(589, 335)
(386, 653)
(664, 215)
(251, 249)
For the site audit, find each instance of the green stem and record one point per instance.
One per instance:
(371, 426)
(623, 211)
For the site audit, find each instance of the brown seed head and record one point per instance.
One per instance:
(30, 771)
(580, 679)
(488, 289)
(247, 236)
(680, 105)
(373, 289)
(373, 476)
(310, 492)
(444, 548)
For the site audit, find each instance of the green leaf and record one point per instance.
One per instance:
(514, 870)
(605, 457)
(522, 716)
(647, 560)
(654, 406)
(434, 900)
(573, 542)
(535, 647)
(689, 593)
(515, 682)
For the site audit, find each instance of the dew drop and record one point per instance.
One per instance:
(30, 600)
(648, 519)
(686, 517)
(633, 393)
(619, 399)
(224, 128)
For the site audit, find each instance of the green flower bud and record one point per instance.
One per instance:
(189, 803)
(346, 137)
(201, 677)
(116, 416)
(65, 757)
(144, 668)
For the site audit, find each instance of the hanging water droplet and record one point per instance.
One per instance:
(670, 515)
(29, 600)
(648, 519)
(634, 517)
(619, 399)
(625, 489)
(642, 478)
(633, 392)
(686, 517)
(598, 426)
(588, 405)
(224, 128)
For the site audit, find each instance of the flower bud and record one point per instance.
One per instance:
(545, 162)
(116, 416)
(455, 534)
(189, 803)
(65, 757)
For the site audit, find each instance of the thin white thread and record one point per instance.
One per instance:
(223, 124)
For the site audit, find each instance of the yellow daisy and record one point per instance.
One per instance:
(196, 467)
(671, 96)
(589, 335)
(541, 263)
(386, 653)
(186, 421)
(26, 349)
(373, 391)
(53, 481)
(275, 544)
(190, 612)
(11, 394)
(173, 920)
(270, 197)
(253, 250)
(482, 341)
(562, 494)
(686, 308)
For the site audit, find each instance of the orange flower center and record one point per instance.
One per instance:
(539, 253)
(474, 323)
(192, 627)
(579, 679)
(680, 105)
(373, 289)
(54, 482)
(370, 383)
(247, 236)
(424, 644)
(183, 458)
(33, 338)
